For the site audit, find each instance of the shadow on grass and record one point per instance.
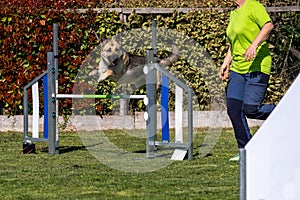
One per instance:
(140, 151)
(196, 152)
(67, 149)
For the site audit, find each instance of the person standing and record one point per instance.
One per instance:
(247, 65)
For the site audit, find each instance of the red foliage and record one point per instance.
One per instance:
(26, 37)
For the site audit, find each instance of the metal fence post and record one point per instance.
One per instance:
(52, 147)
(55, 79)
(151, 106)
(243, 177)
(25, 112)
(190, 125)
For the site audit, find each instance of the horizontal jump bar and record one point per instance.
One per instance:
(99, 96)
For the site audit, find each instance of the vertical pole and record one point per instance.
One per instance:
(164, 91)
(25, 107)
(243, 174)
(165, 109)
(35, 110)
(55, 51)
(151, 94)
(52, 147)
(151, 106)
(178, 114)
(46, 105)
(55, 82)
(190, 125)
(123, 104)
(154, 40)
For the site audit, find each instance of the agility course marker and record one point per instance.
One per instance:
(272, 162)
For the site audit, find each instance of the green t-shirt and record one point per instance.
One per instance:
(244, 25)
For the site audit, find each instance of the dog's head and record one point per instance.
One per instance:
(113, 59)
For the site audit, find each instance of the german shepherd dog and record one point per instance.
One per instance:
(122, 66)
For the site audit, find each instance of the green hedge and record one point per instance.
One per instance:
(27, 37)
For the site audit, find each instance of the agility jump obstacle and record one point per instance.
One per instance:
(51, 96)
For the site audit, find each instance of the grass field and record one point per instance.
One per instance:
(76, 174)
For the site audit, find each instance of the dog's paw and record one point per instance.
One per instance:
(93, 73)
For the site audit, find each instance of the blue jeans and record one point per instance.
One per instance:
(245, 94)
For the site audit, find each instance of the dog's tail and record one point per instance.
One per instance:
(172, 58)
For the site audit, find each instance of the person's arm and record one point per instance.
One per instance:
(263, 35)
(224, 69)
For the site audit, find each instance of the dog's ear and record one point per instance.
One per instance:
(117, 38)
(103, 37)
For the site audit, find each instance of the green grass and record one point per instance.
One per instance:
(76, 174)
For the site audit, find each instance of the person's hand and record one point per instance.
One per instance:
(250, 53)
(224, 70)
